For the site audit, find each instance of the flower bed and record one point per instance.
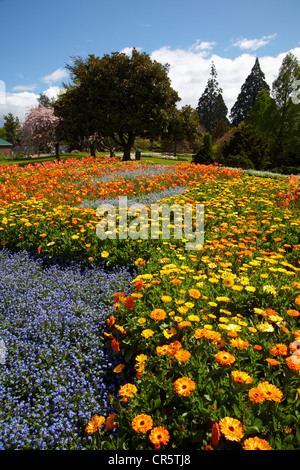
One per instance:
(199, 350)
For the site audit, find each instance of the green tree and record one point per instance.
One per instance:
(246, 148)
(255, 82)
(205, 154)
(286, 148)
(183, 124)
(12, 129)
(118, 96)
(211, 107)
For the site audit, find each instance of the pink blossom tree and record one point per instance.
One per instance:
(40, 129)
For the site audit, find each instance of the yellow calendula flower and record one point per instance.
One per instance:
(104, 254)
(166, 298)
(169, 332)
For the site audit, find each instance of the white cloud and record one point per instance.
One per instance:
(128, 50)
(56, 76)
(254, 44)
(190, 69)
(20, 103)
(25, 87)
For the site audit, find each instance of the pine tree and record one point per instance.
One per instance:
(211, 107)
(254, 83)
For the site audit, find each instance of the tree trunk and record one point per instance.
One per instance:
(126, 155)
(57, 151)
(92, 149)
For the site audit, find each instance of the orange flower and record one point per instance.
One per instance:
(256, 395)
(110, 321)
(184, 324)
(241, 377)
(115, 345)
(270, 391)
(279, 350)
(215, 434)
(127, 390)
(129, 303)
(159, 435)
(110, 421)
(273, 362)
(142, 423)
(239, 343)
(119, 297)
(257, 347)
(182, 355)
(119, 368)
(158, 314)
(293, 362)
(293, 313)
(184, 386)
(194, 293)
(256, 443)
(173, 348)
(224, 357)
(232, 429)
(95, 423)
(297, 300)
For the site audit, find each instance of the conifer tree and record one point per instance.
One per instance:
(211, 107)
(254, 83)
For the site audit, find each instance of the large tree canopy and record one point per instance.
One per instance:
(254, 83)
(211, 107)
(118, 96)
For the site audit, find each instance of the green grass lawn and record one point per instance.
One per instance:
(65, 156)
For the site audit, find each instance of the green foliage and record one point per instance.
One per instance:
(205, 154)
(211, 107)
(123, 97)
(248, 146)
(255, 82)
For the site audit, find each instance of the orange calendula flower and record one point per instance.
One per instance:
(158, 436)
(127, 390)
(142, 423)
(297, 300)
(158, 314)
(182, 355)
(110, 422)
(232, 429)
(110, 321)
(241, 377)
(129, 304)
(279, 350)
(115, 345)
(272, 361)
(119, 297)
(256, 443)
(194, 294)
(215, 434)
(256, 395)
(95, 423)
(184, 386)
(270, 391)
(119, 368)
(224, 358)
(293, 362)
(239, 343)
(293, 313)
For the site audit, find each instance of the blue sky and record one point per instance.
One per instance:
(39, 37)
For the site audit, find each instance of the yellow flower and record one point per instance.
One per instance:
(166, 298)
(104, 254)
(147, 333)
